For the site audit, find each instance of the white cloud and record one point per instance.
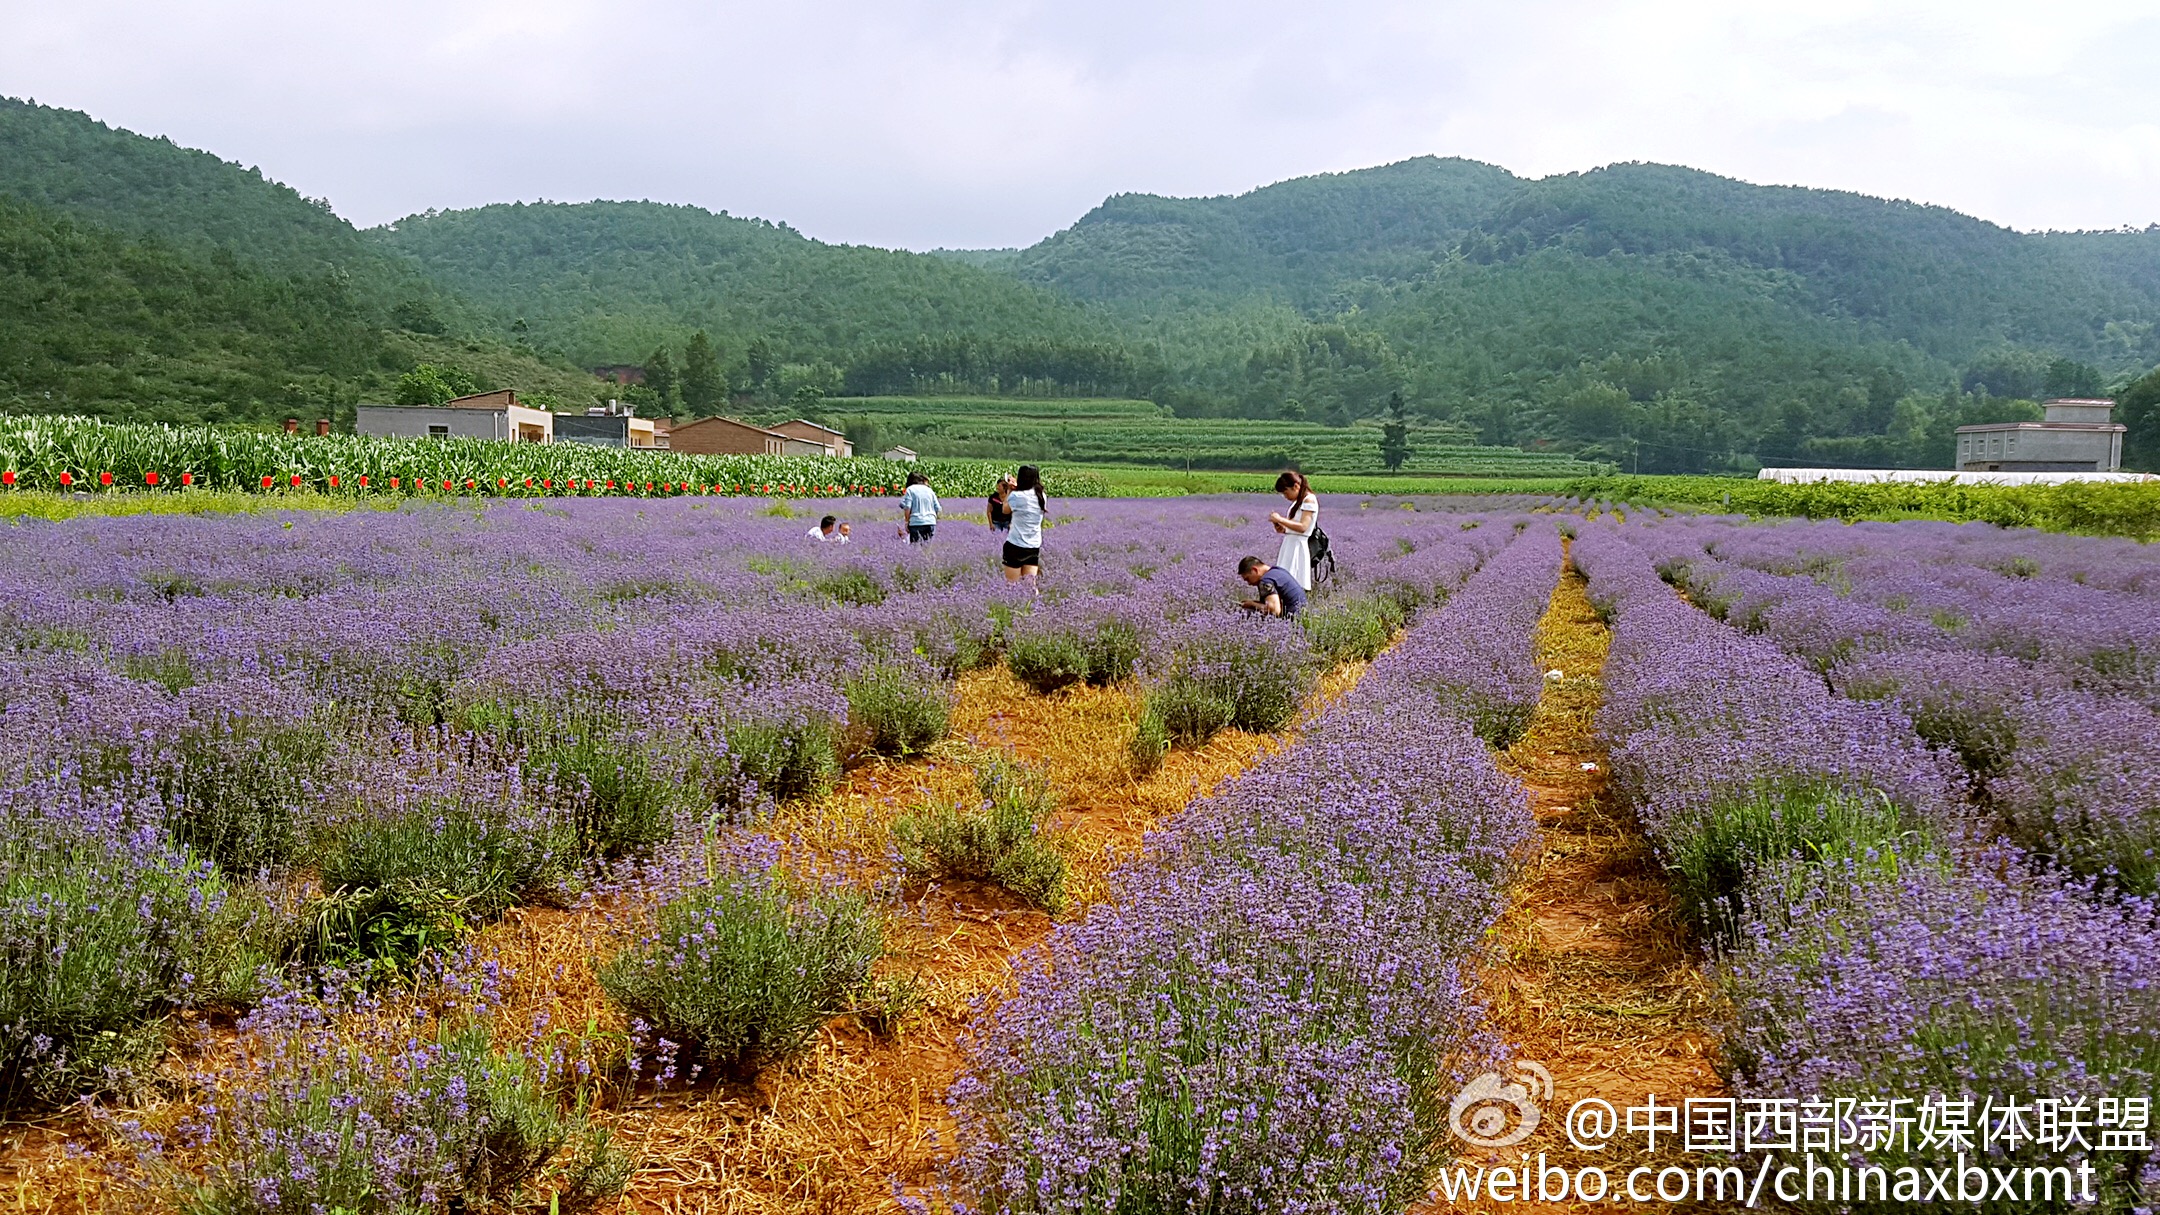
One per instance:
(975, 122)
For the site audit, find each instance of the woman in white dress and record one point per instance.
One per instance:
(1296, 527)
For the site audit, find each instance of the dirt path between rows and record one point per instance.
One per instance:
(833, 1132)
(1588, 973)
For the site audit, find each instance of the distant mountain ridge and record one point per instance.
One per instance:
(1297, 239)
(1946, 281)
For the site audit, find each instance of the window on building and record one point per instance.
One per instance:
(436, 430)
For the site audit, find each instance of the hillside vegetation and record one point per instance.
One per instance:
(1661, 317)
(139, 280)
(1652, 318)
(607, 282)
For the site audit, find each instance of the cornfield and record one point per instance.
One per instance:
(56, 453)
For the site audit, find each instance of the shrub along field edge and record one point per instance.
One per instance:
(2109, 509)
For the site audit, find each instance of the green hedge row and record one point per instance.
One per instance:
(2095, 508)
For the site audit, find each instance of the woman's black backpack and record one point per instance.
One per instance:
(1323, 561)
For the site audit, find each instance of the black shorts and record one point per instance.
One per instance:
(919, 532)
(1016, 557)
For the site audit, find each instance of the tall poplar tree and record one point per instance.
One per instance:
(703, 385)
(661, 378)
(1395, 433)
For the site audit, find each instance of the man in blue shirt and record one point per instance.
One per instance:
(1280, 594)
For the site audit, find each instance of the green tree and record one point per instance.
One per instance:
(863, 434)
(1395, 433)
(760, 364)
(431, 384)
(2139, 409)
(660, 377)
(417, 316)
(806, 399)
(2070, 378)
(703, 385)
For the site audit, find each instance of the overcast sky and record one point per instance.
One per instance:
(920, 123)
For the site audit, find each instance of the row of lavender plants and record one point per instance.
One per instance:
(1271, 1011)
(2035, 660)
(1879, 945)
(238, 752)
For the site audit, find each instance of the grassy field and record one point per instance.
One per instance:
(1095, 432)
(1131, 481)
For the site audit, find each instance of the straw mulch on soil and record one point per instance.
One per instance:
(834, 1130)
(1589, 971)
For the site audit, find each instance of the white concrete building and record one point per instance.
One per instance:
(486, 415)
(2077, 435)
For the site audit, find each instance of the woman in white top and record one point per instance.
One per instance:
(1023, 544)
(1296, 527)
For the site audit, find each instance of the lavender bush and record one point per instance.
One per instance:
(340, 1102)
(1150, 742)
(1491, 679)
(1230, 668)
(1931, 982)
(898, 708)
(1054, 647)
(2083, 788)
(740, 970)
(401, 883)
(1972, 705)
(1003, 838)
(1351, 627)
(106, 927)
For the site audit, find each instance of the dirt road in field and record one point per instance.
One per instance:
(1589, 973)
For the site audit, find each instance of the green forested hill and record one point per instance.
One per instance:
(1949, 284)
(1300, 241)
(97, 322)
(67, 162)
(143, 280)
(1660, 317)
(607, 282)
(96, 319)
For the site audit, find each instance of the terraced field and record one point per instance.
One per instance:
(1142, 432)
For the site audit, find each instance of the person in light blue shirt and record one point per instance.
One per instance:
(920, 504)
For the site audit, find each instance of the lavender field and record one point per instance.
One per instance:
(516, 853)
